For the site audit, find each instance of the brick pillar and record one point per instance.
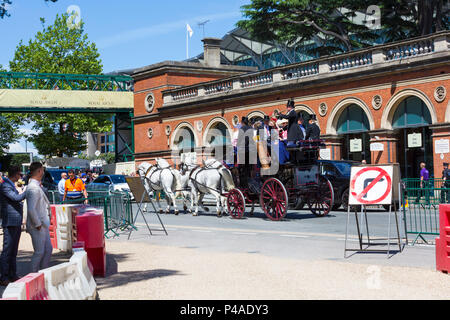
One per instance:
(333, 143)
(389, 141)
(440, 138)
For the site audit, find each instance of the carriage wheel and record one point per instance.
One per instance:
(321, 201)
(236, 203)
(274, 199)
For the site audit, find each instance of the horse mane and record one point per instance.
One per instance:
(162, 163)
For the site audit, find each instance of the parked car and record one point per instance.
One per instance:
(56, 174)
(109, 183)
(338, 172)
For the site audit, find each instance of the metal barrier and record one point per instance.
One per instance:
(420, 205)
(117, 208)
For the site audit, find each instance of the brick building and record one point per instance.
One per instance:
(384, 104)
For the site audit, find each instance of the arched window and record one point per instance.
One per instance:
(218, 135)
(411, 112)
(184, 139)
(353, 119)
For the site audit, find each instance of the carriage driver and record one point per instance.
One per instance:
(293, 129)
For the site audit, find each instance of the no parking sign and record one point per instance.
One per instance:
(371, 185)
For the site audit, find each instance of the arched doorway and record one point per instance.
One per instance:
(184, 142)
(410, 123)
(218, 138)
(354, 125)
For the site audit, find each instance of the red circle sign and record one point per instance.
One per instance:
(382, 174)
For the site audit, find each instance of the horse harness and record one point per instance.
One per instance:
(157, 169)
(193, 179)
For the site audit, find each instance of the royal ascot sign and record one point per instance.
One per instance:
(65, 99)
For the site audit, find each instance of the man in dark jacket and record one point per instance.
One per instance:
(12, 215)
(291, 116)
(313, 130)
(246, 144)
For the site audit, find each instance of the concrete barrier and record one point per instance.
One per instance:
(89, 287)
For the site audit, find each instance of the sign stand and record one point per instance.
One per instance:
(379, 180)
(137, 188)
(369, 243)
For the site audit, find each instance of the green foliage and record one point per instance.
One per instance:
(9, 131)
(331, 26)
(108, 157)
(60, 49)
(297, 21)
(19, 159)
(4, 7)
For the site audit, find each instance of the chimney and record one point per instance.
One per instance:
(212, 51)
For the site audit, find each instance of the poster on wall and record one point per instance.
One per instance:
(376, 146)
(414, 140)
(356, 145)
(325, 154)
(442, 146)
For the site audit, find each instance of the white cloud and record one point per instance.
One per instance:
(159, 29)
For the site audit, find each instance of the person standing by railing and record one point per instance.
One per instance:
(424, 183)
(61, 186)
(445, 184)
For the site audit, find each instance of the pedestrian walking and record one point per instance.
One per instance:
(74, 189)
(62, 186)
(424, 183)
(38, 221)
(12, 214)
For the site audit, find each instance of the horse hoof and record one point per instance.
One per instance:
(219, 214)
(176, 212)
(161, 212)
(195, 214)
(206, 209)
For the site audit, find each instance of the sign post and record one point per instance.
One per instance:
(139, 192)
(373, 185)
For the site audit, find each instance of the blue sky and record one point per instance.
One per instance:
(128, 34)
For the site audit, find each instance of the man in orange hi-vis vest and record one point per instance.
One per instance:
(74, 189)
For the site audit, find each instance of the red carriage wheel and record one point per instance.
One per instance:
(274, 199)
(321, 201)
(236, 203)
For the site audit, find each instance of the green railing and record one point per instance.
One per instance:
(52, 81)
(421, 206)
(117, 209)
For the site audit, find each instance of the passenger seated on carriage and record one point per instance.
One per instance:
(246, 142)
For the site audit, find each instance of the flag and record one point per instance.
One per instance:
(189, 29)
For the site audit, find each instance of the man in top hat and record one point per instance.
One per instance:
(313, 130)
(445, 184)
(267, 128)
(293, 129)
(246, 142)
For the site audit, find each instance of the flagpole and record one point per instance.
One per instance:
(187, 43)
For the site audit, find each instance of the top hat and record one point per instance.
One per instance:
(244, 119)
(290, 103)
(312, 117)
(266, 118)
(445, 164)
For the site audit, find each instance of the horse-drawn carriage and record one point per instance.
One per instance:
(300, 178)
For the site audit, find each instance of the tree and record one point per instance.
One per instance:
(332, 21)
(296, 21)
(4, 5)
(61, 49)
(9, 131)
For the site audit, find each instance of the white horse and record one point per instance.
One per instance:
(161, 177)
(213, 178)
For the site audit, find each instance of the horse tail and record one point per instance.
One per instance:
(227, 178)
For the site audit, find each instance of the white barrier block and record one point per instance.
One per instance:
(63, 282)
(64, 227)
(88, 284)
(15, 290)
